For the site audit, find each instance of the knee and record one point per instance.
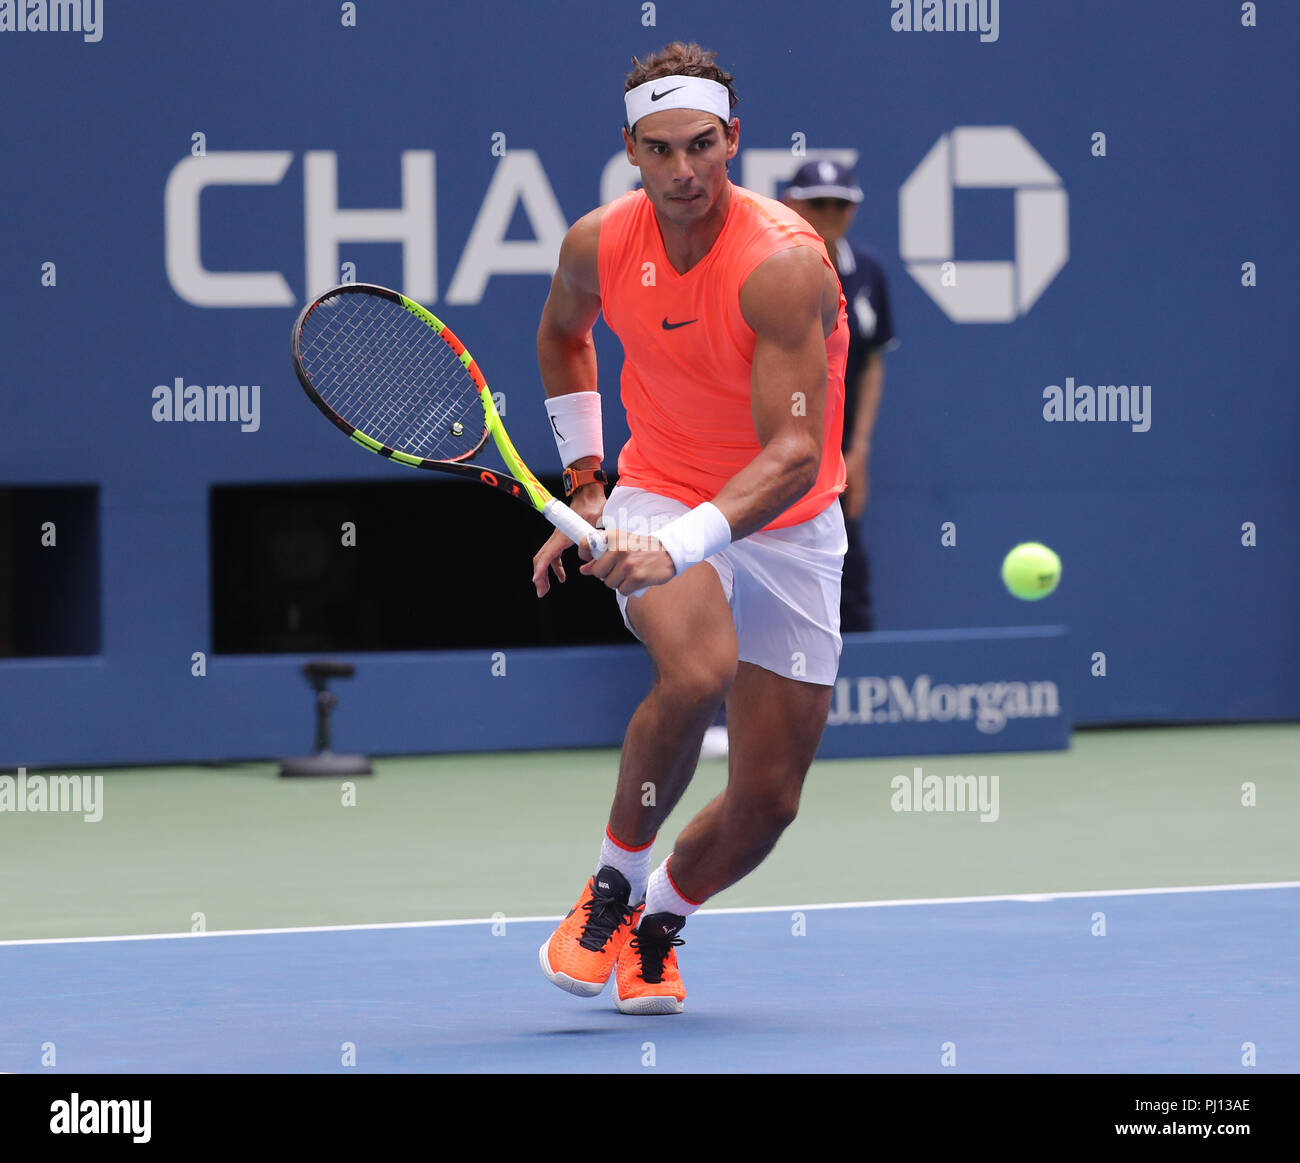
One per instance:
(767, 814)
(702, 682)
(780, 812)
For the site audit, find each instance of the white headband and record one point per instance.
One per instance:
(677, 93)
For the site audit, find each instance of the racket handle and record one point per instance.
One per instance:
(577, 530)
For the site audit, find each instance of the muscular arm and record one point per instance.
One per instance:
(566, 359)
(786, 302)
(566, 355)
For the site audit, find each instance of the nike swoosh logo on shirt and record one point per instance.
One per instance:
(655, 96)
(673, 326)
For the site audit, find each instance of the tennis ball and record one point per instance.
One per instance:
(1031, 571)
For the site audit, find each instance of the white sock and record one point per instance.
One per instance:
(633, 863)
(662, 895)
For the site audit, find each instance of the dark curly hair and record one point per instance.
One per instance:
(679, 59)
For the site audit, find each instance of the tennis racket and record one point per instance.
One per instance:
(397, 380)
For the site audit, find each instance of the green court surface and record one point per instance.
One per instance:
(469, 836)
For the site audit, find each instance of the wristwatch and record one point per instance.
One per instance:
(574, 479)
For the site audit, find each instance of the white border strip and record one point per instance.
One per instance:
(1030, 898)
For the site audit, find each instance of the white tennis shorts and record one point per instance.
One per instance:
(783, 585)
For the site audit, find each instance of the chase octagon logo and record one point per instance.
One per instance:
(988, 157)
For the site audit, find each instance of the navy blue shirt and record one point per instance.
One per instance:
(871, 326)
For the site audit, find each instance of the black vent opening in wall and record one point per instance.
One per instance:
(49, 571)
(390, 566)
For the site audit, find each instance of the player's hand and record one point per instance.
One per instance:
(857, 485)
(589, 503)
(632, 562)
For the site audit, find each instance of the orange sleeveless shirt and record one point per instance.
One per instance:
(688, 352)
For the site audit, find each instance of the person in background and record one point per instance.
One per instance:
(826, 195)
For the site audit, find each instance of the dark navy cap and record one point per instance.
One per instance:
(824, 179)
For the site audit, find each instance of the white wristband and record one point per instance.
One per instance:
(575, 420)
(695, 535)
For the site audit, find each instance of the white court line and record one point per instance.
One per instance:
(1030, 898)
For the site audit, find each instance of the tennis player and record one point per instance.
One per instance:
(724, 520)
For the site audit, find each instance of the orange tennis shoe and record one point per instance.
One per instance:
(582, 952)
(648, 981)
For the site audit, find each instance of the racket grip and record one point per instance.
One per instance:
(577, 530)
(574, 527)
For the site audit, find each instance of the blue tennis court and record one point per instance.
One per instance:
(1180, 981)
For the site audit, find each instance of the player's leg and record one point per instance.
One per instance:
(688, 632)
(687, 629)
(775, 725)
(785, 593)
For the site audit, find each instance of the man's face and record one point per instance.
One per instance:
(682, 155)
(830, 217)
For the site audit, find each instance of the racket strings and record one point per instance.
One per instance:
(391, 376)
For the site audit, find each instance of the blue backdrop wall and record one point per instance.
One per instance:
(181, 176)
